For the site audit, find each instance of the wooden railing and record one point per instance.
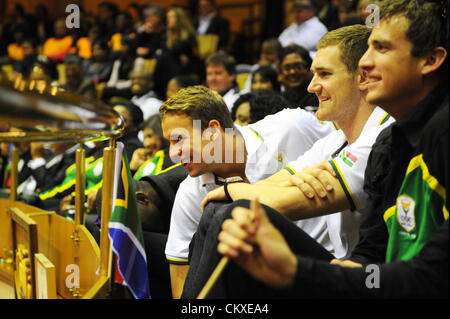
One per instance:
(48, 115)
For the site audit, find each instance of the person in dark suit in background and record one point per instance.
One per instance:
(210, 22)
(151, 37)
(49, 173)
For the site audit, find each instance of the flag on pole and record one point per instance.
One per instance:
(125, 230)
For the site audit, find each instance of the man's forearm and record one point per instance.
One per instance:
(289, 201)
(277, 178)
(178, 274)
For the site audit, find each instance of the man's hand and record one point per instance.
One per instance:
(138, 158)
(216, 194)
(257, 246)
(313, 180)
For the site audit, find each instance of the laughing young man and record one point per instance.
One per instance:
(202, 136)
(406, 231)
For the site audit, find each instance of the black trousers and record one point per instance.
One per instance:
(234, 281)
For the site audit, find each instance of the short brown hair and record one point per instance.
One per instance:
(200, 103)
(352, 42)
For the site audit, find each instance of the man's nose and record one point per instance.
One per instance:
(313, 86)
(366, 61)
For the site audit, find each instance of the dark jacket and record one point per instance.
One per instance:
(48, 176)
(152, 41)
(221, 27)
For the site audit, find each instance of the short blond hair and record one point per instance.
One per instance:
(352, 42)
(200, 103)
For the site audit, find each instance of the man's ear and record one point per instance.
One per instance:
(362, 80)
(214, 124)
(434, 60)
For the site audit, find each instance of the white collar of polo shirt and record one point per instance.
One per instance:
(256, 151)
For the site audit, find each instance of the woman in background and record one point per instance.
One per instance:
(181, 42)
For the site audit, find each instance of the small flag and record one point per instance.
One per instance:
(125, 230)
(349, 158)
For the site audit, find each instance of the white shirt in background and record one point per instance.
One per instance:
(306, 34)
(148, 103)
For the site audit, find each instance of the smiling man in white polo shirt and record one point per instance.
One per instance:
(202, 136)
